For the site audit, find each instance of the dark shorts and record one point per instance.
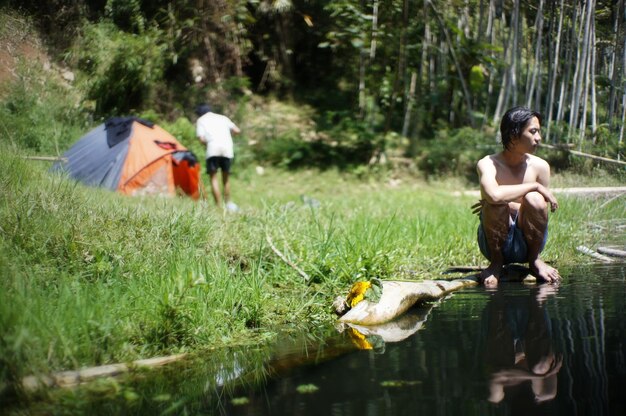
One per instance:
(514, 249)
(214, 163)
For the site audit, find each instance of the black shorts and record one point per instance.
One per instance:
(218, 162)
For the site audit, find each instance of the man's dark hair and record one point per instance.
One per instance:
(513, 123)
(202, 109)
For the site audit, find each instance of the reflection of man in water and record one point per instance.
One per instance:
(519, 347)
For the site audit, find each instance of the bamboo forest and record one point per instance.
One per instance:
(392, 68)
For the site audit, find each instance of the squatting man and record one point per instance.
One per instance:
(515, 199)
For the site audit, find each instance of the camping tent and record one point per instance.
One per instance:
(134, 157)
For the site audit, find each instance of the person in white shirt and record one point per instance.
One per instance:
(215, 131)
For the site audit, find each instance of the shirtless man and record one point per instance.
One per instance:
(515, 200)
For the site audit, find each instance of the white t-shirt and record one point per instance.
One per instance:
(215, 130)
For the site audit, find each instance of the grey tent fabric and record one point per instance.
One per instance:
(185, 155)
(93, 162)
(120, 128)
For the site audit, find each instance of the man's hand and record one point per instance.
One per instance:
(549, 197)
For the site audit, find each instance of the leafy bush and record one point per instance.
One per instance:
(455, 153)
(122, 71)
(40, 113)
(181, 128)
(287, 135)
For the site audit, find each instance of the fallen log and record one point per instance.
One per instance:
(74, 378)
(397, 297)
(614, 252)
(46, 158)
(590, 252)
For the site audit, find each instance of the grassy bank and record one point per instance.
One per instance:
(91, 277)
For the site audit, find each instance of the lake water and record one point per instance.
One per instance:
(515, 350)
(527, 350)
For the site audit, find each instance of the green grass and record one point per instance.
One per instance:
(89, 277)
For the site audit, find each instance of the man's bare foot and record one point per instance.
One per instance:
(490, 276)
(542, 271)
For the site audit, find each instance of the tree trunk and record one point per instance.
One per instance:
(581, 63)
(284, 41)
(232, 32)
(365, 60)
(466, 92)
(362, 93)
(408, 114)
(211, 63)
(537, 64)
(374, 30)
(566, 80)
(613, 72)
(554, 72)
(213, 69)
(503, 95)
(621, 129)
(492, 75)
(515, 51)
(481, 18)
(594, 110)
(400, 71)
(424, 76)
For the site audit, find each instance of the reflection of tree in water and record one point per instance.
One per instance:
(519, 352)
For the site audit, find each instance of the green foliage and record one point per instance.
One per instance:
(340, 142)
(286, 151)
(126, 14)
(477, 79)
(182, 129)
(121, 70)
(40, 113)
(89, 276)
(172, 329)
(455, 153)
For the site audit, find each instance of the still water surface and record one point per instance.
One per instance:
(517, 350)
(527, 350)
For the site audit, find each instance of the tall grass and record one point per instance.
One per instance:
(88, 276)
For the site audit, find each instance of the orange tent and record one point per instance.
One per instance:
(134, 157)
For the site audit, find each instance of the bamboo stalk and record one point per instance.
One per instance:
(578, 153)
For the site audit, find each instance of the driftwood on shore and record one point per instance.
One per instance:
(612, 251)
(397, 297)
(46, 158)
(74, 378)
(586, 250)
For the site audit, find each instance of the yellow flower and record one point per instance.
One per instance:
(359, 339)
(357, 293)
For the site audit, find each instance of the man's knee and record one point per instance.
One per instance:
(535, 201)
(495, 210)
